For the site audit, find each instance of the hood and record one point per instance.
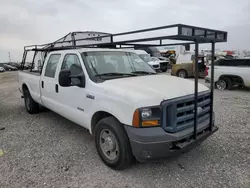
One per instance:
(151, 89)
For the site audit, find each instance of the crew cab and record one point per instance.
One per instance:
(230, 72)
(131, 110)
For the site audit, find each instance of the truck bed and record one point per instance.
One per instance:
(32, 81)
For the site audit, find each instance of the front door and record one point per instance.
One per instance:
(72, 100)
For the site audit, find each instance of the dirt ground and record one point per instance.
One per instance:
(46, 150)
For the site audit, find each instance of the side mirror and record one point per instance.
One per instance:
(78, 80)
(66, 79)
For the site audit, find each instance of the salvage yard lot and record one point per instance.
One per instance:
(46, 150)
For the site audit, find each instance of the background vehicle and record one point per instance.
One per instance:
(154, 62)
(230, 72)
(2, 69)
(153, 51)
(148, 59)
(9, 67)
(163, 64)
(184, 66)
(17, 65)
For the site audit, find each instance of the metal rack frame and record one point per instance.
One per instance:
(191, 34)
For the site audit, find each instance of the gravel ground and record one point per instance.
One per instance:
(46, 150)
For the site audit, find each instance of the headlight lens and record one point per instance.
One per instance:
(146, 113)
(147, 117)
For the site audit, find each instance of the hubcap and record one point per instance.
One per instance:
(109, 145)
(221, 84)
(182, 74)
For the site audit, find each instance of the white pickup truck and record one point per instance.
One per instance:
(230, 72)
(131, 110)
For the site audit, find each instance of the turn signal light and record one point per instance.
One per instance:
(150, 123)
(136, 119)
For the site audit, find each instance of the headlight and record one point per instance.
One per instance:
(147, 117)
(146, 112)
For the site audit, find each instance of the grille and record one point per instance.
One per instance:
(180, 112)
(156, 66)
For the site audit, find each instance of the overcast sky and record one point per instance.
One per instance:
(24, 22)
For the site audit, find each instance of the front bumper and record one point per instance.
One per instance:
(154, 143)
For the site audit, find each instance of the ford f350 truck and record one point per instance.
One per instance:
(132, 111)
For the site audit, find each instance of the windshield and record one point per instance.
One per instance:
(155, 59)
(145, 57)
(115, 64)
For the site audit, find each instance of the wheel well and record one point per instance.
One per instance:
(97, 117)
(181, 70)
(25, 87)
(235, 79)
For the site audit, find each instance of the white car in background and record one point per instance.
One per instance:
(154, 62)
(163, 64)
(2, 69)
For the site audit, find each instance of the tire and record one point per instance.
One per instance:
(164, 69)
(114, 149)
(182, 74)
(31, 106)
(224, 83)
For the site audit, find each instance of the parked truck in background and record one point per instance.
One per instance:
(185, 65)
(230, 72)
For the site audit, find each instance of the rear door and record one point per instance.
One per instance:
(244, 70)
(48, 82)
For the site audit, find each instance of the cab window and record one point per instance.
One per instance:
(52, 65)
(72, 62)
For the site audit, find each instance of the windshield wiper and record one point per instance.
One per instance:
(116, 74)
(142, 72)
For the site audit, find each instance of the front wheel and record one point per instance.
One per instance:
(182, 74)
(112, 143)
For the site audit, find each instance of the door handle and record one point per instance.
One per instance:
(56, 88)
(42, 84)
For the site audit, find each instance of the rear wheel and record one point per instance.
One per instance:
(182, 74)
(112, 143)
(31, 106)
(224, 83)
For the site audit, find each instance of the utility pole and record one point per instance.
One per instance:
(9, 57)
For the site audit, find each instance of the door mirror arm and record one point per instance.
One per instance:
(81, 78)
